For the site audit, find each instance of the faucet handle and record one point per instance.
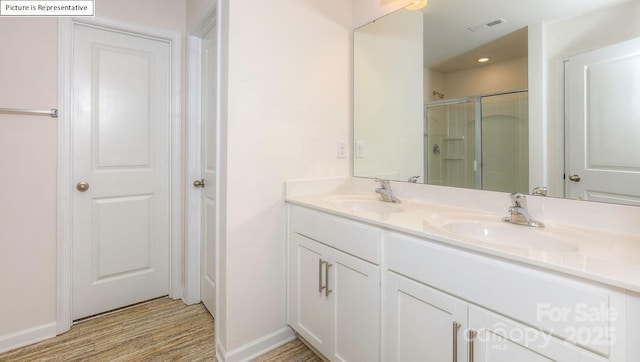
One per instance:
(518, 200)
(383, 183)
(539, 191)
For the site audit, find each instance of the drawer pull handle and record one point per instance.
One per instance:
(320, 287)
(456, 327)
(472, 336)
(327, 291)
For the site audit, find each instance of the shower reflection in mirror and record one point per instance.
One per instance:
(478, 142)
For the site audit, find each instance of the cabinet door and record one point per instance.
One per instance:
(498, 339)
(422, 324)
(355, 286)
(308, 304)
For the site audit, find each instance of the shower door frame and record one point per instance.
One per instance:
(478, 128)
(478, 135)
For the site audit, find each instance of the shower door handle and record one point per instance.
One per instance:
(575, 178)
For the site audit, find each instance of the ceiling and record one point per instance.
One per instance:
(508, 47)
(446, 24)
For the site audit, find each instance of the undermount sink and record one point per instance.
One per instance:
(364, 203)
(485, 229)
(510, 235)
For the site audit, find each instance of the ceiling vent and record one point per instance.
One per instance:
(481, 27)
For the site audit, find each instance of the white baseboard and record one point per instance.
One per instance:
(257, 347)
(220, 353)
(27, 336)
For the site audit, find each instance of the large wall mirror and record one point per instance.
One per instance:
(503, 95)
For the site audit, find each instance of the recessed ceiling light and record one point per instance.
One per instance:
(483, 60)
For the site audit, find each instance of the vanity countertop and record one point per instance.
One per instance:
(611, 258)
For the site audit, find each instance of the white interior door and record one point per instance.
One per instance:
(209, 166)
(120, 126)
(603, 123)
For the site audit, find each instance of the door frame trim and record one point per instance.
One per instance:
(193, 209)
(193, 202)
(64, 299)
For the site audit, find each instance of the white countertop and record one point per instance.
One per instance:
(608, 257)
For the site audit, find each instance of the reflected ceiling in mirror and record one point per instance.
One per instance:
(455, 27)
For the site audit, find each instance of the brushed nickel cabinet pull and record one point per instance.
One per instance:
(327, 291)
(456, 327)
(472, 336)
(320, 287)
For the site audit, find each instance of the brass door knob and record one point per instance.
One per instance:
(198, 183)
(82, 186)
(575, 178)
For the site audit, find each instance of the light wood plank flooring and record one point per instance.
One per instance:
(159, 330)
(294, 351)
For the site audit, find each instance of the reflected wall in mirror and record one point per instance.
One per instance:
(424, 106)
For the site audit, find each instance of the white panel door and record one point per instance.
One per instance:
(603, 120)
(120, 126)
(209, 167)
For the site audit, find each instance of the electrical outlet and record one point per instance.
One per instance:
(359, 149)
(342, 149)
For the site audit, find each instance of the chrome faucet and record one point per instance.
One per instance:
(413, 179)
(385, 192)
(539, 191)
(519, 213)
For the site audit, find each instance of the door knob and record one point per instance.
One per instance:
(198, 183)
(575, 178)
(82, 186)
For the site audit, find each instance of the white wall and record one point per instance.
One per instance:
(365, 11)
(388, 102)
(492, 78)
(433, 81)
(197, 10)
(28, 159)
(28, 146)
(288, 103)
(161, 14)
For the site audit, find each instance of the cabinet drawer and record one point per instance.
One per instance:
(351, 237)
(550, 302)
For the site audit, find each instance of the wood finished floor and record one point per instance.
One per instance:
(159, 330)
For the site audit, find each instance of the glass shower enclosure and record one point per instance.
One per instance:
(478, 142)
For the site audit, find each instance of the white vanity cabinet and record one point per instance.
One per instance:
(361, 291)
(425, 324)
(431, 289)
(334, 285)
